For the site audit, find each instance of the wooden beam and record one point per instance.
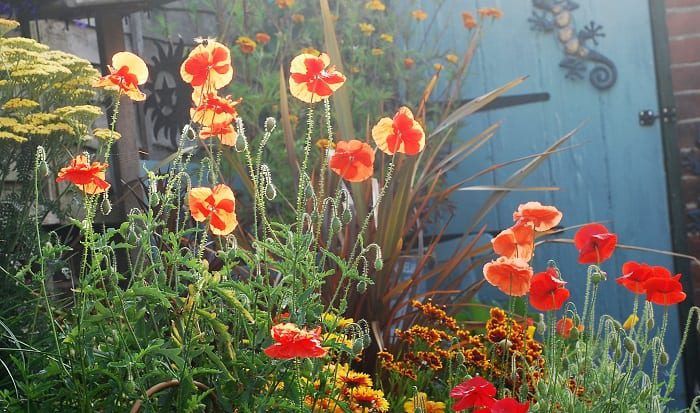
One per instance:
(125, 158)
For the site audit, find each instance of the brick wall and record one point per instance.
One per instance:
(683, 19)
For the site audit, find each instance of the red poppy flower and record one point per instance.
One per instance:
(214, 109)
(126, 73)
(291, 342)
(517, 241)
(543, 217)
(216, 203)
(208, 66)
(475, 392)
(565, 325)
(311, 78)
(401, 134)
(635, 274)
(510, 275)
(594, 243)
(353, 160)
(225, 131)
(509, 405)
(547, 291)
(89, 177)
(664, 290)
(262, 38)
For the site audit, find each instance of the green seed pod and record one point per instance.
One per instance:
(650, 323)
(630, 345)
(335, 224)
(663, 358)
(636, 359)
(362, 287)
(378, 264)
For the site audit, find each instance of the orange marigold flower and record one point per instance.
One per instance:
(468, 20)
(419, 15)
(285, 3)
(311, 78)
(492, 12)
(543, 217)
(366, 399)
(225, 131)
(126, 73)
(298, 18)
(353, 160)
(89, 177)
(408, 63)
(214, 109)
(517, 241)
(246, 44)
(216, 204)
(402, 133)
(208, 65)
(262, 38)
(510, 275)
(565, 325)
(291, 342)
(375, 5)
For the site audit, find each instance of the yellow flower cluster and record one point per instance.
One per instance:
(19, 105)
(104, 134)
(351, 392)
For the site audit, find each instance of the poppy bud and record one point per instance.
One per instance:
(270, 192)
(630, 345)
(43, 169)
(189, 133)
(307, 365)
(618, 353)
(598, 276)
(565, 362)
(542, 387)
(154, 199)
(362, 287)
(335, 224)
(270, 124)
(697, 326)
(650, 323)
(615, 341)
(347, 216)
(357, 346)
(574, 335)
(541, 326)
(240, 143)
(663, 358)
(459, 358)
(378, 264)
(636, 359)
(106, 206)
(576, 319)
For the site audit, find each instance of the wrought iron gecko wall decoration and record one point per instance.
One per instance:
(556, 16)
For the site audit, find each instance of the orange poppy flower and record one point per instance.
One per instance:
(291, 342)
(468, 20)
(126, 73)
(634, 275)
(401, 134)
(543, 217)
(594, 243)
(246, 44)
(225, 131)
(353, 160)
(408, 63)
(510, 275)
(208, 65)
(492, 12)
(311, 78)
(565, 325)
(262, 38)
(216, 204)
(89, 177)
(547, 291)
(215, 109)
(664, 290)
(517, 241)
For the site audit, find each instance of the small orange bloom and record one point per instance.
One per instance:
(298, 18)
(225, 131)
(291, 342)
(452, 58)
(408, 63)
(89, 177)
(208, 65)
(311, 78)
(216, 204)
(419, 15)
(246, 44)
(353, 160)
(285, 3)
(492, 12)
(126, 73)
(438, 67)
(543, 217)
(565, 325)
(517, 241)
(510, 275)
(401, 134)
(262, 38)
(469, 20)
(375, 5)
(215, 109)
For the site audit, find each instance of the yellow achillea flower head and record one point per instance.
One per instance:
(105, 134)
(375, 5)
(19, 104)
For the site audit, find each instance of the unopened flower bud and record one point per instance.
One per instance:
(240, 143)
(347, 215)
(630, 345)
(650, 323)
(542, 387)
(663, 358)
(335, 224)
(189, 133)
(357, 346)
(541, 326)
(270, 124)
(106, 206)
(270, 192)
(378, 264)
(618, 353)
(43, 169)
(459, 358)
(362, 287)
(636, 359)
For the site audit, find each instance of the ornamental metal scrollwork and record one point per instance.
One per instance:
(555, 16)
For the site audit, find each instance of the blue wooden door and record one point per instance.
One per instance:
(616, 173)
